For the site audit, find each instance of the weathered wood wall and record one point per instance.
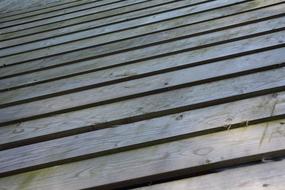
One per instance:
(128, 93)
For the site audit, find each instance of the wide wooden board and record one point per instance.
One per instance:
(124, 137)
(86, 30)
(269, 175)
(192, 75)
(48, 8)
(181, 6)
(103, 39)
(96, 7)
(152, 52)
(159, 162)
(146, 107)
(82, 48)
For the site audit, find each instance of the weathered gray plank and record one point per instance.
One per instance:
(20, 19)
(160, 161)
(146, 107)
(136, 88)
(134, 42)
(121, 58)
(104, 141)
(133, 28)
(43, 8)
(191, 75)
(136, 85)
(270, 175)
(130, 56)
(177, 7)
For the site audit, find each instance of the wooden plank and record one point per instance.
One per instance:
(146, 107)
(124, 91)
(177, 7)
(189, 156)
(134, 55)
(108, 61)
(163, 48)
(191, 41)
(134, 28)
(44, 8)
(194, 75)
(112, 9)
(195, 72)
(111, 4)
(86, 84)
(158, 36)
(139, 134)
(24, 53)
(268, 175)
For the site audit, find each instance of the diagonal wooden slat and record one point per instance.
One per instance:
(135, 135)
(159, 162)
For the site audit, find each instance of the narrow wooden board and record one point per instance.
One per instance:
(156, 37)
(270, 175)
(102, 6)
(193, 56)
(130, 89)
(194, 75)
(146, 107)
(133, 28)
(47, 8)
(134, 135)
(83, 48)
(176, 7)
(206, 55)
(159, 162)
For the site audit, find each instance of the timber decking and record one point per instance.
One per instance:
(126, 93)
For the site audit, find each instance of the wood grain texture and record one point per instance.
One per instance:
(138, 55)
(191, 75)
(13, 95)
(78, 31)
(260, 176)
(177, 7)
(210, 53)
(136, 43)
(32, 66)
(146, 107)
(44, 8)
(158, 36)
(160, 161)
(41, 44)
(14, 7)
(117, 94)
(124, 137)
(74, 10)
(133, 88)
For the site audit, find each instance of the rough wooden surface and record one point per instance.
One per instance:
(68, 13)
(192, 154)
(182, 7)
(150, 27)
(153, 105)
(103, 39)
(33, 65)
(194, 75)
(121, 93)
(130, 89)
(8, 7)
(105, 50)
(269, 175)
(220, 117)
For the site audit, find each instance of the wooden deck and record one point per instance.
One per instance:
(143, 94)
